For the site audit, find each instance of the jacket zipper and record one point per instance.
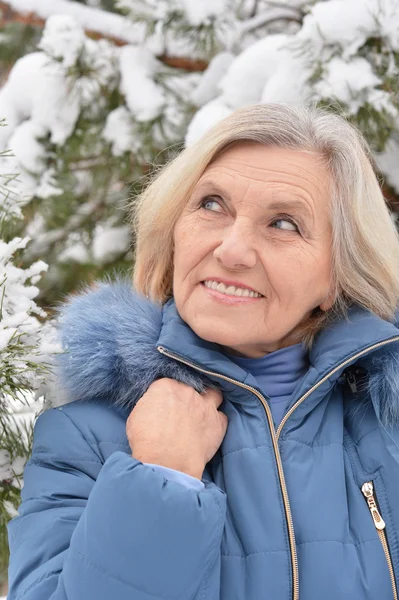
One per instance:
(276, 434)
(368, 492)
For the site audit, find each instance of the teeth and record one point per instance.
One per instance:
(231, 290)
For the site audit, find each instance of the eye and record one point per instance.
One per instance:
(209, 200)
(285, 225)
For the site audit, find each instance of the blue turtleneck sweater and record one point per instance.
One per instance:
(277, 374)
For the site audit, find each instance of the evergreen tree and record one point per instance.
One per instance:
(27, 344)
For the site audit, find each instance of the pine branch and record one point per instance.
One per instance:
(254, 11)
(98, 24)
(46, 241)
(276, 12)
(98, 21)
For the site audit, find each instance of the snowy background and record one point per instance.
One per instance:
(95, 94)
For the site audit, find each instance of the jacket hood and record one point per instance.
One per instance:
(110, 335)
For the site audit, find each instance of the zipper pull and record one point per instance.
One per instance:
(368, 492)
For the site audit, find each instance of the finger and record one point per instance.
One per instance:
(224, 421)
(214, 396)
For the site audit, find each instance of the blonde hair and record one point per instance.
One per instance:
(365, 244)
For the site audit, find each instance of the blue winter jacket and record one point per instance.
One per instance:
(310, 510)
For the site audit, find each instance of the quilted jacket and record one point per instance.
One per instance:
(310, 510)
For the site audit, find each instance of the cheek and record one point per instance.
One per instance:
(298, 271)
(189, 252)
(185, 250)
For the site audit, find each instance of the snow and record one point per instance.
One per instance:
(204, 119)
(208, 86)
(63, 39)
(51, 108)
(7, 468)
(121, 131)
(280, 67)
(5, 337)
(272, 13)
(47, 186)
(201, 12)
(109, 243)
(275, 68)
(51, 104)
(75, 253)
(346, 23)
(24, 341)
(15, 103)
(348, 82)
(90, 18)
(288, 83)
(144, 98)
(100, 60)
(387, 15)
(249, 72)
(29, 152)
(388, 162)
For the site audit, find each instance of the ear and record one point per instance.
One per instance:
(328, 302)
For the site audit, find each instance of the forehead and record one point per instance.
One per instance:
(255, 163)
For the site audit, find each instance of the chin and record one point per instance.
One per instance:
(211, 330)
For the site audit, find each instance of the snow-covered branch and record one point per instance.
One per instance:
(274, 13)
(106, 24)
(97, 24)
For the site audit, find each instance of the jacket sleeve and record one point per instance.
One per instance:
(88, 530)
(183, 478)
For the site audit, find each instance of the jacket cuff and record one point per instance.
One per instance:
(178, 476)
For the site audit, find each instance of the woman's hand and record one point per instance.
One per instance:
(175, 426)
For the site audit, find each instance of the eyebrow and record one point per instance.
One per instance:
(208, 184)
(289, 204)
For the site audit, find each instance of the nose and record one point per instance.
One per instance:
(236, 249)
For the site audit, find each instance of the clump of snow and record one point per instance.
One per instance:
(386, 13)
(47, 186)
(20, 324)
(100, 59)
(109, 243)
(204, 119)
(50, 104)
(348, 82)
(245, 79)
(75, 253)
(121, 131)
(26, 147)
(42, 102)
(289, 82)
(209, 84)
(90, 18)
(200, 12)
(345, 23)
(144, 98)
(63, 39)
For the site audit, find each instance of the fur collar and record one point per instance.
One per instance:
(109, 335)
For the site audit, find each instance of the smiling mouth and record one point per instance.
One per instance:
(231, 290)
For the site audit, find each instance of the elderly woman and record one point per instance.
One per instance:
(232, 423)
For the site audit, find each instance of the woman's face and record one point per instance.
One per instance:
(258, 218)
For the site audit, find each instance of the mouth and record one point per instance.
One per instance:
(230, 293)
